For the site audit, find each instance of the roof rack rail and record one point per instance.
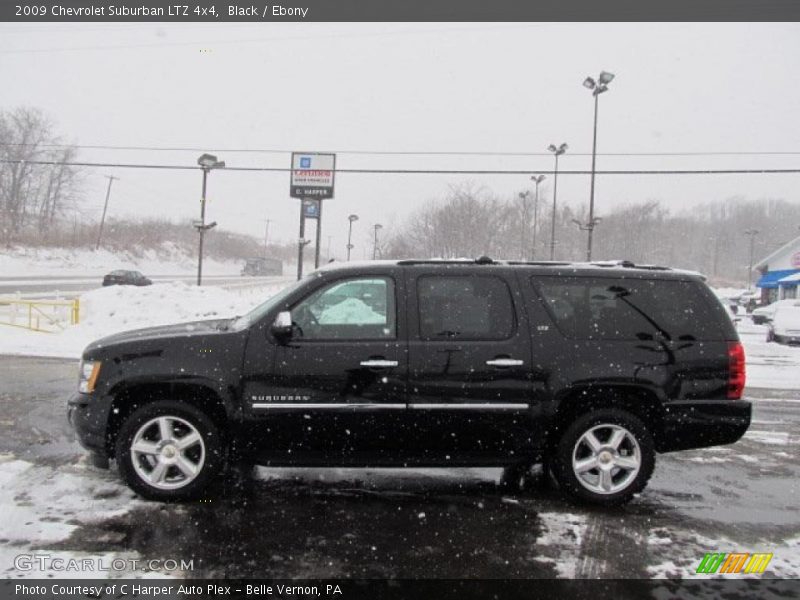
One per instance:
(541, 263)
(481, 260)
(628, 264)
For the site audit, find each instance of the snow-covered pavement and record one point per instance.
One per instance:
(348, 522)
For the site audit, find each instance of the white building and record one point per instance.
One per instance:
(780, 273)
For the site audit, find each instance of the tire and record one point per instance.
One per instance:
(182, 473)
(602, 481)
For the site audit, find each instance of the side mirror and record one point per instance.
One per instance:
(282, 325)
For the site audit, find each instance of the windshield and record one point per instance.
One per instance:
(259, 311)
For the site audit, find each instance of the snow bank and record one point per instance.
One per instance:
(120, 308)
(168, 259)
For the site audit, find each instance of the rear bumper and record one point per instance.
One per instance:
(88, 415)
(702, 423)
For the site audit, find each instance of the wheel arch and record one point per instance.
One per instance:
(129, 396)
(642, 402)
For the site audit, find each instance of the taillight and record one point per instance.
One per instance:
(736, 373)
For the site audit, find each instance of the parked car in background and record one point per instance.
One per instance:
(762, 314)
(749, 300)
(262, 266)
(121, 277)
(784, 327)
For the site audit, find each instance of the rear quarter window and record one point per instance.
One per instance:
(606, 308)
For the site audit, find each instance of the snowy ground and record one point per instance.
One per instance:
(113, 309)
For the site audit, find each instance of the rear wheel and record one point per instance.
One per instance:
(605, 457)
(169, 451)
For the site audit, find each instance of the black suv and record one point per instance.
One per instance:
(589, 369)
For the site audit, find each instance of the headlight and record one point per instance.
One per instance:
(89, 370)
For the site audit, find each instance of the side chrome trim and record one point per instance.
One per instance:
(469, 406)
(375, 406)
(328, 405)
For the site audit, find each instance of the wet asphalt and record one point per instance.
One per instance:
(453, 523)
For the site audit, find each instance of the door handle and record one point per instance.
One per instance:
(378, 363)
(505, 362)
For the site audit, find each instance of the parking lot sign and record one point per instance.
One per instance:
(312, 175)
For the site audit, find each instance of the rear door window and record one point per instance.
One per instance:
(468, 307)
(600, 308)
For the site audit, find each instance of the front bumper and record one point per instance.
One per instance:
(702, 423)
(88, 415)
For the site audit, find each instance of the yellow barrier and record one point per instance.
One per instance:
(36, 314)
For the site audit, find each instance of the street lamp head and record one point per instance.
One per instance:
(209, 161)
(352, 218)
(537, 178)
(552, 148)
(378, 226)
(589, 83)
(606, 77)
(563, 148)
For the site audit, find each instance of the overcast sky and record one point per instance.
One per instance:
(409, 87)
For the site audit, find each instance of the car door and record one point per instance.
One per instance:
(469, 366)
(337, 390)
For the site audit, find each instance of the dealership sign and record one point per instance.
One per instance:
(312, 175)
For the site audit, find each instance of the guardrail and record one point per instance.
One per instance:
(47, 316)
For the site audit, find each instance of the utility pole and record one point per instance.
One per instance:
(537, 180)
(266, 237)
(328, 251)
(206, 163)
(752, 233)
(301, 241)
(557, 151)
(375, 242)
(319, 236)
(351, 218)
(597, 88)
(111, 179)
(523, 234)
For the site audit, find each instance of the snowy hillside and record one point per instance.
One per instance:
(168, 259)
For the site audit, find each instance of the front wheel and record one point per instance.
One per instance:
(169, 451)
(604, 457)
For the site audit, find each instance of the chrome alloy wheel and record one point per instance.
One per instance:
(168, 452)
(606, 459)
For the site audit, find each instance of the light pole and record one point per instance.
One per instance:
(752, 233)
(557, 151)
(537, 180)
(206, 162)
(351, 218)
(597, 87)
(587, 226)
(523, 237)
(375, 241)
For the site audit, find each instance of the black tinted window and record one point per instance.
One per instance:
(464, 307)
(627, 309)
